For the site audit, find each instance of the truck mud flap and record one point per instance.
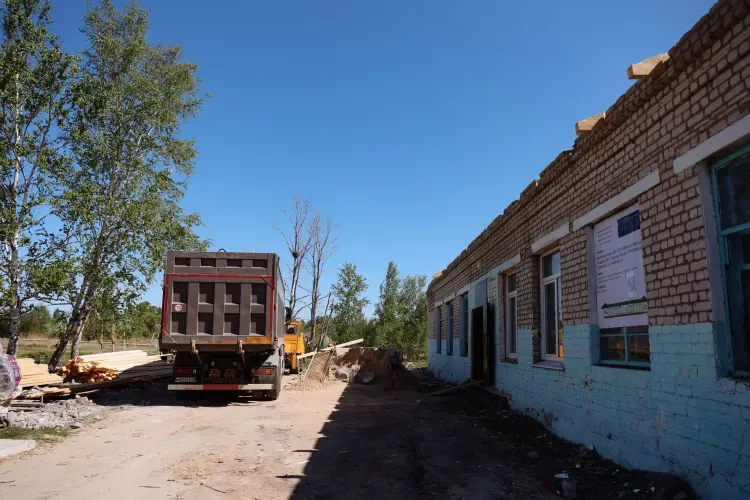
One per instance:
(220, 387)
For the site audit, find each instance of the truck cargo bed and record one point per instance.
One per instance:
(218, 300)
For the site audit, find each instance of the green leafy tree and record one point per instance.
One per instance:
(387, 331)
(349, 320)
(38, 321)
(413, 339)
(132, 165)
(35, 77)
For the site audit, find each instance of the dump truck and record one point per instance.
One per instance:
(294, 345)
(223, 318)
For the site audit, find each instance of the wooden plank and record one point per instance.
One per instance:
(75, 389)
(351, 342)
(114, 355)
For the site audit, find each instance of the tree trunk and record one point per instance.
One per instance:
(114, 336)
(54, 360)
(14, 271)
(15, 323)
(75, 348)
(14, 275)
(314, 311)
(70, 328)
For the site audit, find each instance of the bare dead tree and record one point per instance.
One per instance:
(298, 242)
(327, 313)
(323, 245)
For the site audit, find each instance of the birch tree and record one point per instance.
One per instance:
(131, 164)
(323, 243)
(298, 243)
(35, 77)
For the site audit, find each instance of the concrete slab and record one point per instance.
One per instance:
(10, 447)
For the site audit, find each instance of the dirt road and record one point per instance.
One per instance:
(336, 442)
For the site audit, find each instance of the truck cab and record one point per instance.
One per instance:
(294, 345)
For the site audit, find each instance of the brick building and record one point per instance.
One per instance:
(610, 300)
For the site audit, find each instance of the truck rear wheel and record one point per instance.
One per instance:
(274, 394)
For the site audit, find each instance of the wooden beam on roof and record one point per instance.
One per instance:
(437, 275)
(586, 125)
(647, 66)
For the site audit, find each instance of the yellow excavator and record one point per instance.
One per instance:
(294, 345)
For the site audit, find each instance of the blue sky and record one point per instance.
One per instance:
(412, 124)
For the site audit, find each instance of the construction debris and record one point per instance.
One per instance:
(85, 372)
(44, 393)
(56, 414)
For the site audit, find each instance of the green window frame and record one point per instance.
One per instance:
(623, 340)
(734, 254)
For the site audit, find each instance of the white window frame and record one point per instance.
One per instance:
(511, 295)
(554, 278)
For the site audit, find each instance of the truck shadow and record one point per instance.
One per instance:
(156, 394)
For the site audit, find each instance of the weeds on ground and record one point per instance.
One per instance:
(45, 434)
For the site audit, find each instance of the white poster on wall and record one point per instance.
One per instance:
(620, 280)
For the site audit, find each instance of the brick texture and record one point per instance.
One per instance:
(682, 416)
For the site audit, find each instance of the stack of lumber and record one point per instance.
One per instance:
(122, 360)
(131, 365)
(33, 373)
(85, 372)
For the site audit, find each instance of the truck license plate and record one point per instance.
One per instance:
(185, 380)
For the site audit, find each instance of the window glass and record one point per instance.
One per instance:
(550, 319)
(733, 186)
(732, 197)
(512, 325)
(511, 283)
(612, 347)
(551, 265)
(639, 349)
(625, 345)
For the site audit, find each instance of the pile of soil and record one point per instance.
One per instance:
(365, 365)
